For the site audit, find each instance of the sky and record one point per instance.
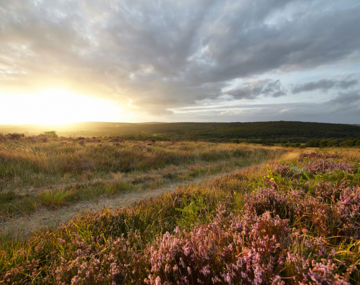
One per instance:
(190, 60)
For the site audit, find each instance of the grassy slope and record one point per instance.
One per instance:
(298, 221)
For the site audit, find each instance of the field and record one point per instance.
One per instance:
(241, 214)
(51, 179)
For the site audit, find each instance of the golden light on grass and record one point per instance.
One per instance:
(56, 107)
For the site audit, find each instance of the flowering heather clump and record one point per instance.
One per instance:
(299, 224)
(318, 155)
(322, 165)
(110, 263)
(348, 210)
(266, 199)
(284, 170)
(329, 210)
(236, 250)
(328, 192)
(243, 250)
(314, 163)
(307, 271)
(311, 155)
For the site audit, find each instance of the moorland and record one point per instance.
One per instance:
(287, 133)
(149, 210)
(40, 173)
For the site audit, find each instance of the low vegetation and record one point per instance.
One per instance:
(50, 172)
(269, 133)
(38, 161)
(294, 222)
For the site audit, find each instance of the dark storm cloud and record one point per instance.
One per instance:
(252, 90)
(324, 85)
(347, 100)
(168, 54)
(345, 108)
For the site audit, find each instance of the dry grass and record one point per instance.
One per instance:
(59, 172)
(26, 163)
(296, 220)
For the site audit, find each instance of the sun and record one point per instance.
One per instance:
(57, 107)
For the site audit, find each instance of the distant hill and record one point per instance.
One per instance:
(268, 132)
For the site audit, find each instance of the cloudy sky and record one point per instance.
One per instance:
(188, 60)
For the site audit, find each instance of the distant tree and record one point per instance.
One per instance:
(347, 143)
(312, 143)
(323, 143)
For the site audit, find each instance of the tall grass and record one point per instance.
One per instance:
(76, 170)
(25, 162)
(295, 222)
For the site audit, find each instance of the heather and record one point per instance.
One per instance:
(290, 222)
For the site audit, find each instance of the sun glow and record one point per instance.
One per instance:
(56, 107)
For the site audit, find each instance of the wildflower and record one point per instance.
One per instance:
(205, 270)
(60, 240)
(158, 281)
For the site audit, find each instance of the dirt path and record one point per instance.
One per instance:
(44, 218)
(122, 177)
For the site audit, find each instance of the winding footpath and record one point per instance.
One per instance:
(21, 227)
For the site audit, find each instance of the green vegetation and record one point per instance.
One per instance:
(281, 132)
(295, 221)
(333, 142)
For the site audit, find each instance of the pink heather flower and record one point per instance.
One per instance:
(186, 250)
(277, 280)
(75, 280)
(216, 279)
(60, 240)
(78, 252)
(167, 268)
(347, 200)
(205, 270)
(227, 278)
(158, 281)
